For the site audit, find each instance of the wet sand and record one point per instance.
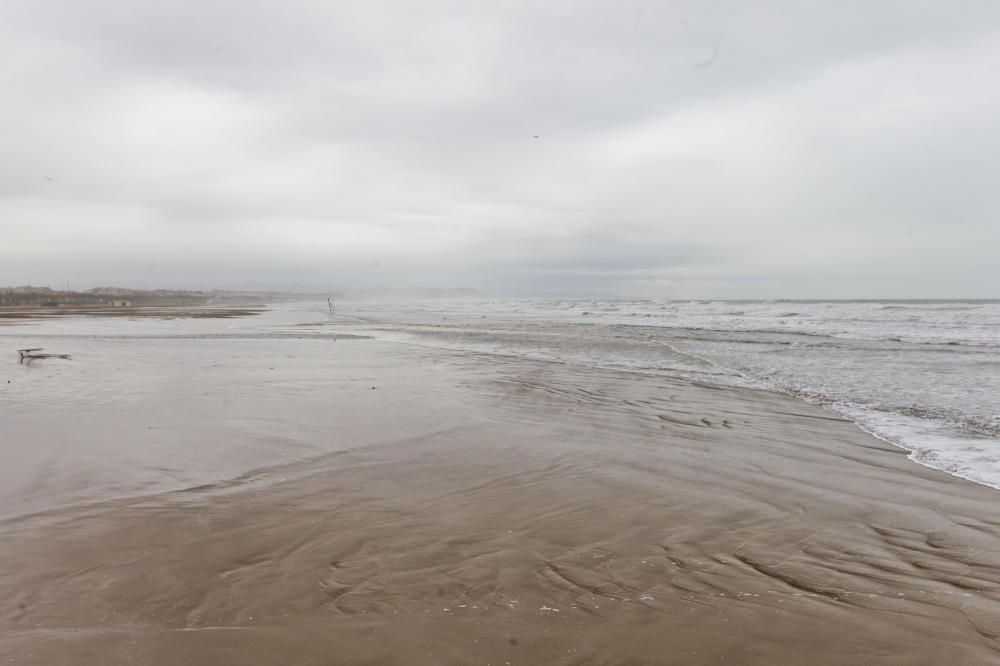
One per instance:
(490, 510)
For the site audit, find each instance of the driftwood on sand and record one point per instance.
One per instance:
(29, 355)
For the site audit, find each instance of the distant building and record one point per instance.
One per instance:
(121, 303)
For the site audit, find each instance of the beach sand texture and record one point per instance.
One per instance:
(489, 510)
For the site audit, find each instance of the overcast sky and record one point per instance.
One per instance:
(677, 149)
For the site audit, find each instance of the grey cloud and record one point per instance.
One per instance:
(390, 143)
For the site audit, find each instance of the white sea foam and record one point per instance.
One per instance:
(934, 444)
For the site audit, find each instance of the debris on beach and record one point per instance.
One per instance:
(26, 356)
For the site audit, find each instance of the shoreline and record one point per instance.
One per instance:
(930, 441)
(539, 513)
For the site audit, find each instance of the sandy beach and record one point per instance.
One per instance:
(476, 509)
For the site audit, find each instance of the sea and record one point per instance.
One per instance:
(923, 375)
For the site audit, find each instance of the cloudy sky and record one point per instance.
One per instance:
(712, 148)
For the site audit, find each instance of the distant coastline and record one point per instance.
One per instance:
(118, 297)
